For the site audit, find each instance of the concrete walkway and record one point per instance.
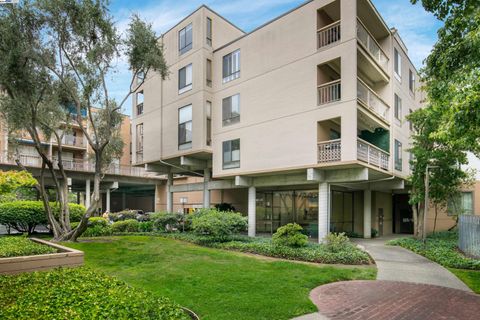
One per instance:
(399, 264)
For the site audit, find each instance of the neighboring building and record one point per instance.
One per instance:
(301, 120)
(123, 186)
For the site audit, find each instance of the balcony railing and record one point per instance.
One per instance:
(372, 155)
(329, 92)
(330, 151)
(328, 34)
(72, 141)
(372, 101)
(371, 45)
(78, 165)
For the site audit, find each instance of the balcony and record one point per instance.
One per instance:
(73, 141)
(371, 46)
(372, 101)
(330, 151)
(372, 155)
(329, 92)
(328, 34)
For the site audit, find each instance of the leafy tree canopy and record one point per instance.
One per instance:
(12, 180)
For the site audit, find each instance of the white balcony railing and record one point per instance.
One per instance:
(78, 165)
(71, 140)
(372, 155)
(330, 151)
(328, 34)
(371, 45)
(329, 92)
(372, 101)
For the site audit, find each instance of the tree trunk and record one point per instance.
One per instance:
(435, 220)
(415, 220)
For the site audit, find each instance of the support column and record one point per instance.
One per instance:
(206, 192)
(107, 201)
(252, 214)
(87, 193)
(323, 210)
(169, 192)
(367, 213)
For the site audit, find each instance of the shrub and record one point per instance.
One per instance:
(80, 293)
(165, 221)
(225, 207)
(97, 221)
(125, 226)
(123, 215)
(218, 225)
(337, 242)
(77, 211)
(290, 235)
(22, 246)
(145, 226)
(98, 231)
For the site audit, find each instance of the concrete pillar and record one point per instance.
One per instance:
(87, 193)
(206, 192)
(367, 213)
(107, 201)
(323, 210)
(252, 214)
(169, 193)
(82, 198)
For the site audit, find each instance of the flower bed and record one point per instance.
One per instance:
(22, 246)
(80, 293)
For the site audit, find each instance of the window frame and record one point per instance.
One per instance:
(139, 106)
(187, 144)
(411, 81)
(232, 164)
(184, 48)
(232, 119)
(209, 33)
(397, 64)
(397, 108)
(230, 63)
(398, 155)
(209, 73)
(208, 112)
(182, 88)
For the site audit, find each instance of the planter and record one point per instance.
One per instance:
(65, 257)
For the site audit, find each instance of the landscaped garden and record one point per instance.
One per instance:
(442, 248)
(22, 246)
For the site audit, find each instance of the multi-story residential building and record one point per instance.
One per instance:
(303, 118)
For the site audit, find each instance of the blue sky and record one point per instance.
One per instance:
(416, 27)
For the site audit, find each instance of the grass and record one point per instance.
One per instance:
(15, 246)
(470, 277)
(214, 283)
(442, 248)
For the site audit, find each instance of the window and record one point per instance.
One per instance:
(140, 77)
(139, 103)
(209, 72)
(397, 64)
(462, 203)
(231, 110)
(398, 155)
(209, 32)
(231, 66)
(398, 108)
(139, 145)
(209, 123)
(185, 127)
(185, 79)
(334, 134)
(185, 39)
(411, 81)
(231, 154)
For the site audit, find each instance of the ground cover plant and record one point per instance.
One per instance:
(216, 284)
(80, 293)
(21, 246)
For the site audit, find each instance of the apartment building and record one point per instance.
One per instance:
(300, 120)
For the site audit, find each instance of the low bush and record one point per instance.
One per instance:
(97, 221)
(98, 230)
(441, 248)
(125, 226)
(22, 246)
(290, 235)
(145, 226)
(24, 216)
(218, 225)
(123, 215)
(337, 242)
(165, 221)
(80, 293)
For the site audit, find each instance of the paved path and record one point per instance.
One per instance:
(408, 286)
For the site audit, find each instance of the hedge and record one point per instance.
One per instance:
(22, 246)
(80, 293)
(24, 216)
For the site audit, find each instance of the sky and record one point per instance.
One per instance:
(417, 27)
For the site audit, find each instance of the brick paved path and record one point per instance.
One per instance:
(392, 300)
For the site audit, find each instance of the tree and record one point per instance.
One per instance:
(58, 55)
(452, 72)
(12, 180)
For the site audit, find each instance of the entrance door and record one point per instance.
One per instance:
(403, 215)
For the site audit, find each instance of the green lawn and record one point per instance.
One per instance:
(470, 277)
(214, 283)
